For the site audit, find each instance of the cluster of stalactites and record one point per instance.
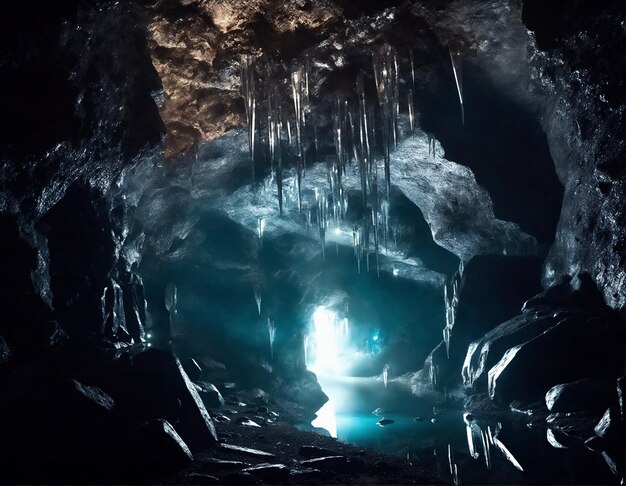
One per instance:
(354, 134)
(451, 300)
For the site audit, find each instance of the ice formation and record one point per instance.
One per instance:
(249, 95)
(455, 58)
(271, 331)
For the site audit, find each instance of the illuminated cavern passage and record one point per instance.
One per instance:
(312, 241)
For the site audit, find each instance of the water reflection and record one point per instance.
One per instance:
(462, 448)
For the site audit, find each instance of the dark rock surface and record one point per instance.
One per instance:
(583, 395)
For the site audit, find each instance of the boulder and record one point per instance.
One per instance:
(492, 289)
(589, 395)
(588, 346)
(210, 395)
(164, 381)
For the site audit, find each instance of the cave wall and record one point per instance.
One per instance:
(578, 71)
(78, 95)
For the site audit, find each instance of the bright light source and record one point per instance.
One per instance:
(326, 342)
(395, 272)
(149, 335)
(149, 345)
(326, 419)
(337, 231)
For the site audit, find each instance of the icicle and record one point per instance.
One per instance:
(271, 331)
(257, 298)
(455, 58)
(385, 374)
(322, 211)
(486, 448)
(411, 110)
(386, 77)
(260, 229)
(171, 302)
(249, 96)
(454, 472)
(412, 61)
(297, 88)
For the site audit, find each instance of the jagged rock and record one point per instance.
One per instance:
(113, 314)
(192, 368)
(584, 395)
(314, 451)
(330, 463)
(384, 421)
(164, 381)
(134, 306)
(272, 473)
(243, 420)
(213, 465)
(609, 426)
(196, 478)
(210, 395)
(153, 449)
(575, 424)
(247, 450)
(588, 346)
(5, 351)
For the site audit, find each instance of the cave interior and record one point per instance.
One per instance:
(313, 242)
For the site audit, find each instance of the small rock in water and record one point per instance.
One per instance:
(384, 421)
(433, 420)
(418, 419)
(379, 411)
(247, 422)
(467, 418)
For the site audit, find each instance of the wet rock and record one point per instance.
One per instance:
(243, 420)
(113, 316)
(134, 305)
(247, 450)
(211, 397)
(610, 427)
(314, 451)
(583, 395)
(433, 420)
(163, 380)
(5, 352)
(587, 345)
(328, 463)
(154, 449)
(192, 368)
(575, 424)
(384, 421)
(418, 419)
(307, 474)
(379, 412)
(271, 473)
(196, 478)
(213, 465)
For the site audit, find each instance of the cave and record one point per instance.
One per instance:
(313, 242)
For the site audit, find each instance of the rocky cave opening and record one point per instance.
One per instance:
(312, 242)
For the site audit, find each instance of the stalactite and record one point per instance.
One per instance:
(248, 92)
(411, 110)
(455, 58)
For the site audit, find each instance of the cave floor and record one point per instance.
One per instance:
(284, 442)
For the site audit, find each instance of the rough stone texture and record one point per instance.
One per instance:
(578, 69)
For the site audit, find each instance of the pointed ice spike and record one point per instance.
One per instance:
(257, 298)
(249, 96)
(385, 374)
(271, 330)
(412, 62)
(411, 110)
(455, 58)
